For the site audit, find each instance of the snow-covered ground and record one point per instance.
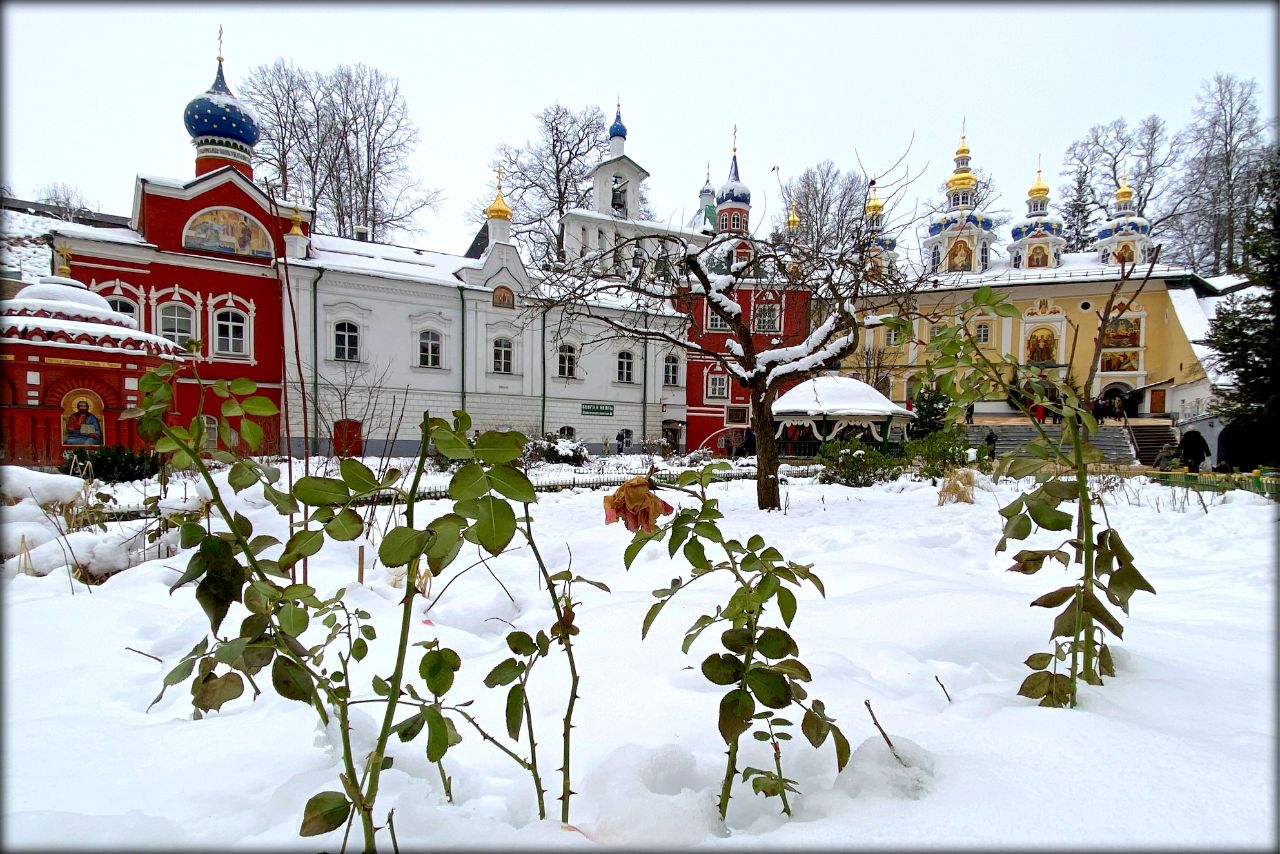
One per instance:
(1178, 750)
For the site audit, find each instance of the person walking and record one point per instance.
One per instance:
(1167, 458)
(990, 442)
(968, 414)
(1193, 450)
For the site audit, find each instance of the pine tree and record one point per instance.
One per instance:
(1079, 221)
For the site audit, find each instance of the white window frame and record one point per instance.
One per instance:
(735, 220)
(132, 304)
(935, 259)
(671, 370)
(626, 370)
(567, 362)
(346, 342)
(715, 323)
(434, 342)
(174, 336)
(506, 364)
(892, 337)
(770, 311)
(236, 317)
(982, 333)
(717, 386)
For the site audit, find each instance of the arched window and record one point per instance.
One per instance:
(736, 219)
(724, 221)
(985, 254)
(717, 386)
(567, 366)
(671, 370)
(177, 322)
(502, 352)
(765, 317)
(346, 342)
(210, 432)
(123, 306)
(229, 333)
(567, 432)
(428, 349)
(504, 297)
(626, 366)
(935, 260)
(982, 333)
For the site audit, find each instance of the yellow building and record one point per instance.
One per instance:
(1148, 358)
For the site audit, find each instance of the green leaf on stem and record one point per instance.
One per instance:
(469, 481)
(347, 525)
(512, 483)
(259, 405)
(769, 687)
(358, 477)
(515, 706)
(495, 524)
(437, 734)
(504, 673)
(722, 669)
(291, 681)
(320, 491)
(786, 605)
(401, 545)
(521, 643)
(736, 709)
(775, 643)
(324, 812)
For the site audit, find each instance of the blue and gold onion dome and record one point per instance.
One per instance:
(218, 113)
(733, 190)
(617, 128)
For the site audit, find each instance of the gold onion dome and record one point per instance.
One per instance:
(1039, 189)
(499, 209)
(1124, 192)
(965, 180)
(874, 205)
(793, 218)
(963, 150)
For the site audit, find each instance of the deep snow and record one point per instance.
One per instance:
(1177, 750)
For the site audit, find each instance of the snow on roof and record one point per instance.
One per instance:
(285, 205)
(1196, 313)
(24, 248)
(96, 331)
(1076, 266)
(636, 223)
(384, 259)
(107, 235)
(19, 483)
(836, 396)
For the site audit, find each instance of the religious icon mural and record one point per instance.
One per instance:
(1123, 332)
(1120, 360)
(81, 418)
(1042, 345)
(228, 231)
(1038, 257)
(960, 258)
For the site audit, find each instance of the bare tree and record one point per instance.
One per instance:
(829, 203)
(549, 176)
(1225, 147)
(341, 142)
(830, 282)
(66, 201)
(1146, 155)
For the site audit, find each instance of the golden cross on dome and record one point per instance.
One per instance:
(735, 138)
(219, 42)
(499, 171)
(708, 171)
(64, 254)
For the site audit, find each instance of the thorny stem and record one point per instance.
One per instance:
(567, 640)
(445, 781)
(348, 763)
(519, 760)
(884, 734)
(533, 748)
(406, 617)
(777, 765)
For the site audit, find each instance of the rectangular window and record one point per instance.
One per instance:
(892, 337)
(735, 415)
(714, 321)
(229, 333)
(764, 317)
(717, 386)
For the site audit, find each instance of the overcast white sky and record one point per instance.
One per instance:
(93, 94)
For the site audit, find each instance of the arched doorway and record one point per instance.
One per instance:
(1129, 401)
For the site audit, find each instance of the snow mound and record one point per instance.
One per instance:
(96, 553)
(874, 771)
(17, 482)
(650, 796)
(25, 521)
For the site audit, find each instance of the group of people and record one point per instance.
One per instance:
(1104, 408)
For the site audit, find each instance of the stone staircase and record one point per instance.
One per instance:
(1111, 438)
(1150, 438)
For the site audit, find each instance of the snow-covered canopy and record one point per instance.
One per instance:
(828, 403)
(837, 396)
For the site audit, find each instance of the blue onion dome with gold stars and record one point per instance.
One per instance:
(617, 128)
(733, 190)
(219, 114)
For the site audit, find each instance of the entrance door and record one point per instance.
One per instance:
(1157, 401)
(347, 439)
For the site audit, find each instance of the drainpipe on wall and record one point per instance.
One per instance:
(315, 363)
(644, 389)
(462, 358)
(543, 423)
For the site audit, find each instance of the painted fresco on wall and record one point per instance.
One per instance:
(229, 232)
(1120, 360)
(1123, 332)
(1042, 345)
(81, 418)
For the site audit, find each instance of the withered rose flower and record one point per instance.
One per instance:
(635, 505)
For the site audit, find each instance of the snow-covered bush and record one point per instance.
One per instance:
(853, 464)
(554, 449)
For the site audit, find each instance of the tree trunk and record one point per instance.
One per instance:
(767, 492)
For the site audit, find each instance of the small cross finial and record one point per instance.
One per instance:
(219, 42)
(708, 171)
(499, 171)
(735, 138)
(64, 256)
